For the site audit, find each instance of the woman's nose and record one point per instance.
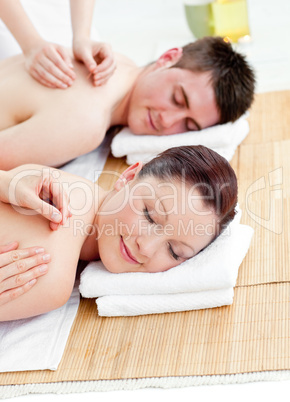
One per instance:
(149, 244)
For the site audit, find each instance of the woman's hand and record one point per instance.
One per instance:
(39, 190)
(98, 57)
(50, 64)
(19, 270)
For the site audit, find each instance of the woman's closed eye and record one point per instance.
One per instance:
(147, 216)
(175, 256)
(151, 221)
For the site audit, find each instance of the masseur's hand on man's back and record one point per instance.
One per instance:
(88, 51)
(51, 64)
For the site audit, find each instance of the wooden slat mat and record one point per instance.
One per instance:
(252, 334)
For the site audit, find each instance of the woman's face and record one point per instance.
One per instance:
(172, 100)
(152, 226)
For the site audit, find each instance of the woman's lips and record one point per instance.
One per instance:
(125, 252)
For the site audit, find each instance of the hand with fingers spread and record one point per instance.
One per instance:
(36, 190)
(98, 58)
(19, 270)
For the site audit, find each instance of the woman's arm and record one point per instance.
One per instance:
(18, 23)
(48, 63)
(87, 50)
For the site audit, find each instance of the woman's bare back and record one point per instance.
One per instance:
(64, 245)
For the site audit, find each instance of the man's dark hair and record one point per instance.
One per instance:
(232, 78)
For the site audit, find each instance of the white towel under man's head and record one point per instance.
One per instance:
(223, 139)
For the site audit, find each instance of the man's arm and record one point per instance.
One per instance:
(51, 137)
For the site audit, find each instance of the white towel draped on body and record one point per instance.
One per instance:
(204, 281)
(223, 139)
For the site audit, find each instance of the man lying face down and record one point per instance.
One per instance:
(200, 85)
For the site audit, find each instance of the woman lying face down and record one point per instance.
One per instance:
(154, 218)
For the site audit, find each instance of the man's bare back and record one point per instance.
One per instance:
(174, 94)
(53, 126)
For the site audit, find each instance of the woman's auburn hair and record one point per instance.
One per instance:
(203, 168)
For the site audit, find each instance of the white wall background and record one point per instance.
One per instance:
(143, 28)
(136, 27)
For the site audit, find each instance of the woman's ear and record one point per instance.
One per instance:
(128, 175)
(169, 58)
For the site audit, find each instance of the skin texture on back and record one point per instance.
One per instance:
(59, 125)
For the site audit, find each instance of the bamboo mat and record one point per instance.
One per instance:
(252, 335)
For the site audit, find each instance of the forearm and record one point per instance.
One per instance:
(81, 17)
(18, 23)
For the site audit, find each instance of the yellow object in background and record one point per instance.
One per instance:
(230, 18)
(225, 18)
(199, 18)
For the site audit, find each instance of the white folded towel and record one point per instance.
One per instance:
(112, 306)
(223, 138)
(206, 280)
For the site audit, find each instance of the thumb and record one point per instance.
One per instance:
(48, 211)
(89, 61)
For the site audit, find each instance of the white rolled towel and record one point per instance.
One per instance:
(212, 272)
(223, 138)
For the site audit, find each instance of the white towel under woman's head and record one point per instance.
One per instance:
(212, 273)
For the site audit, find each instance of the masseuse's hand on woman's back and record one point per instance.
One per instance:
(19, 270)
(38, 190)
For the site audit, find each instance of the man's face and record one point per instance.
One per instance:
(172, 100)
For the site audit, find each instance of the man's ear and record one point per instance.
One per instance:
(169, 58)
(128, 175)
